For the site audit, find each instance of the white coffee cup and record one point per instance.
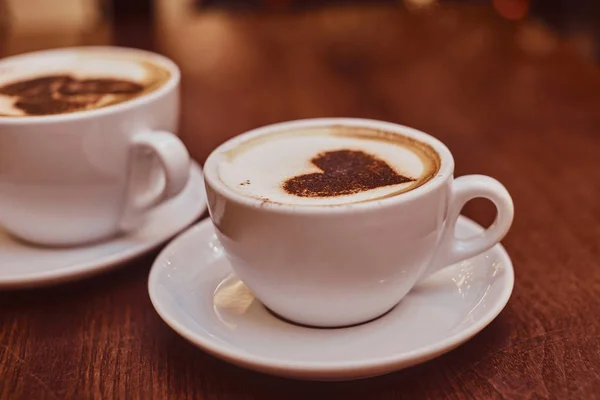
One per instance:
(346, 264)
(75, 178)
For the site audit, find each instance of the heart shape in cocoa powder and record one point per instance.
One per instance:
(55, 94)
(344, 172)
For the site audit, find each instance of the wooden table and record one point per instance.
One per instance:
(510, 99)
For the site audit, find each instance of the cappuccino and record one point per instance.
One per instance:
(328, 166)
(59, 83)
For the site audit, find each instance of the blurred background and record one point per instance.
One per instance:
(31, 24)
(480, 64)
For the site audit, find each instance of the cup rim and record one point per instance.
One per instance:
(444, 173)
(165, 62)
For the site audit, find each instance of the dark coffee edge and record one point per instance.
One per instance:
(157, 76)
(371, 134)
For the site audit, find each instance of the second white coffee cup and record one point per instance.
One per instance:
(74, 178)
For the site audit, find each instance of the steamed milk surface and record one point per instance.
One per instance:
(260, 167)
(79, 65)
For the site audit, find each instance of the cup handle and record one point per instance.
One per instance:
(451, 249)
(147, 188)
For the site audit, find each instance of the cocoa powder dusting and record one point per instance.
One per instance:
(344, 172)
(58, 94)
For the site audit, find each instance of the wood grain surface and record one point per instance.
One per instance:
(510, 99)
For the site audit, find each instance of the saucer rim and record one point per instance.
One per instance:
(91, 268)
(333, 369)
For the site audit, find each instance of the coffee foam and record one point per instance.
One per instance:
(272, 167)
(79, 66)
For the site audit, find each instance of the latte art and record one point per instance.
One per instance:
(328, 166)
(345, 172)
(58, 84)
(61, 94)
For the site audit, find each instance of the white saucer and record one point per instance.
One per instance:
(194, 291)
(23, 265)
